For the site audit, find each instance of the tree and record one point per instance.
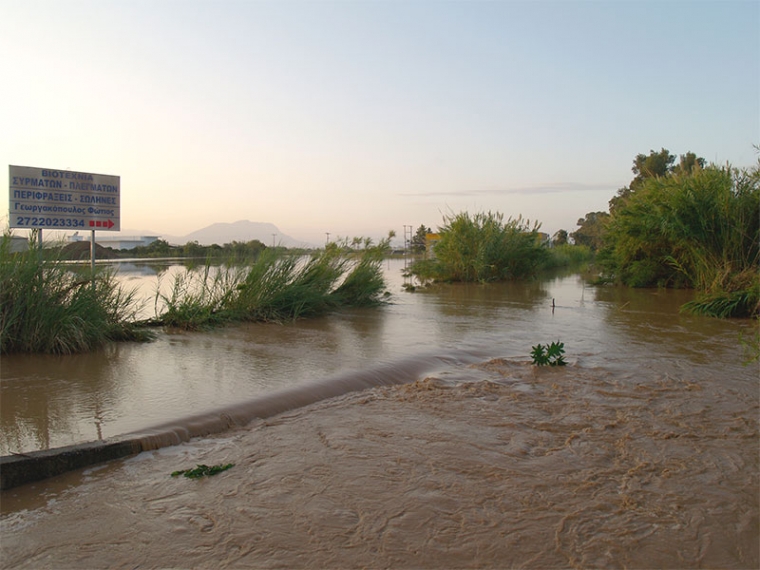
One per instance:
(245, 250)
(419, 240)
(158, 248)
(652, 166)
(655, 165)
(193, 249)
(591, 230)
(688, 163)
(560, 237)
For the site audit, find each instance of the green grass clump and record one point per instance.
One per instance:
(48, 307)
(277, 287)
(198, 298)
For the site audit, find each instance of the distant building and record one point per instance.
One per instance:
(430, 241)
(19, 244)
(117, 242)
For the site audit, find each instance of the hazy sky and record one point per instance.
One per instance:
(356, 118)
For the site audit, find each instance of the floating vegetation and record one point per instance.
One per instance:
(202, 471)
(550, 354)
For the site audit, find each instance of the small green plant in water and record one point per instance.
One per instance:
(203, 471)
(550, 354)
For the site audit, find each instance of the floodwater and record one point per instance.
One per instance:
(641, 453)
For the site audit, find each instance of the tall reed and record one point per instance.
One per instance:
(482, 247)
(282, 287)
(277, 287)
(568, 255)
(47, 307)
(197, 298)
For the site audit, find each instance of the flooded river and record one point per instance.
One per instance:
(641, 453)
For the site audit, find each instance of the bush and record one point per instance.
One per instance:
(699, 229)
(483, 248)
(567, 255)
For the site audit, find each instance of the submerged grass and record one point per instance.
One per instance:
(47, 307)
(276, 288)
(202, 470)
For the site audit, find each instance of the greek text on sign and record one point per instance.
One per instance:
(46, 198)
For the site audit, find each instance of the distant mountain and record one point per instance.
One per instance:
(242, 230)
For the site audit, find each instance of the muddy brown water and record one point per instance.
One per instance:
(641, 453)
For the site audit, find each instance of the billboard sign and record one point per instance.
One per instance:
(45, 198)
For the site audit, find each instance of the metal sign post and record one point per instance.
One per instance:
(92, 260)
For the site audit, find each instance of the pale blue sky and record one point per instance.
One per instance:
(355, 118)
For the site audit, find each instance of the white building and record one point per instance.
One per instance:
(117, 242)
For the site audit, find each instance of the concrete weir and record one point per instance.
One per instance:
(20, 469)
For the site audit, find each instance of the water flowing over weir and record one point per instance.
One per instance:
(280, 401)
(25, 468)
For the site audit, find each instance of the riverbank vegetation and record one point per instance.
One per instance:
(276, 287)
(686, 226)
(235, 251)
(682, 224)
(483, 248)
(47, 307)
(50, 306)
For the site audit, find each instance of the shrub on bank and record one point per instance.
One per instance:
(700, 230)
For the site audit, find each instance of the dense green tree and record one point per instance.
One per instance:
(158, 248)
(193, 249)
(651, 166)
(560, 237)
(688, 163)
(244, 249)
(655, 165)
(591, 230)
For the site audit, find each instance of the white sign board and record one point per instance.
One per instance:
(44, 198)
